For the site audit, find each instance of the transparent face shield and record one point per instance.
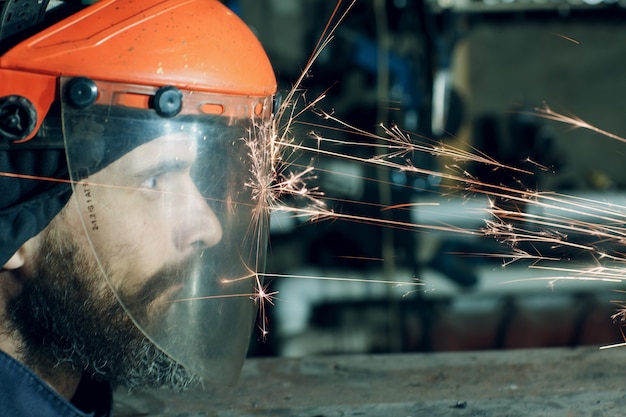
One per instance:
(173, 213)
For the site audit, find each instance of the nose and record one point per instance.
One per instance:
(199, 227)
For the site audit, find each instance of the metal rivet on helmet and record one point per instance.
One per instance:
(18, 117)
(168, 101)
(81, 92)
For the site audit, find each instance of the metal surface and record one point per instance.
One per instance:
(546, 382)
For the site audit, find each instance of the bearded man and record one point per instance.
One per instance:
(131, 228)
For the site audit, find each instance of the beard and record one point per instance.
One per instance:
(68, 316)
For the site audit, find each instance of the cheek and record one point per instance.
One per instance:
(130, 237)
(145, 247)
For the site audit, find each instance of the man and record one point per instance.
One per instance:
(132, 220)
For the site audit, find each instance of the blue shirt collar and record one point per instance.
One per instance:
(24, 394)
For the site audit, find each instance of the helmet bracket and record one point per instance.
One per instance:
(18, 117)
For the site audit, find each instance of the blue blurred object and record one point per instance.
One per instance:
(234, 6)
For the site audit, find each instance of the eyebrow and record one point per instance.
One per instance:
(162, 167)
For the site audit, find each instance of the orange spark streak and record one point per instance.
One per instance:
(616, 345)
(567, 38)
(318, 215)
(38, 178)
(361, 258)
(212, 297)
(343, 279)
(408, 205)
(574, 122)
(95, 184)
(554, 279)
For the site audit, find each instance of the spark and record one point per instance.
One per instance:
(262, 298)
(574, 122)
(554, 279)
(38, 178)
(87, 183)
(345, 279)
(213, 297)
(567, 38)
(616, 345)
(621, 317)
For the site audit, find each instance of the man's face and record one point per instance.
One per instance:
(144, 211)
(147, 223)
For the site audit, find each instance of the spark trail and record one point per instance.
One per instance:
(553, 231)
(517, 216)
(547, 230)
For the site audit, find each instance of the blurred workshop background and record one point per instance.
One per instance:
(467, 73)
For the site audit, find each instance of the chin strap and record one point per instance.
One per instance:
(18, 15)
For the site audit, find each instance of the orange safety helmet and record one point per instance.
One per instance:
(192, 45)
(162, 113)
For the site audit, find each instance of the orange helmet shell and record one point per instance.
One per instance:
(195, 45)
(191, 44)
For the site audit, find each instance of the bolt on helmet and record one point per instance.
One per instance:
(161, 112)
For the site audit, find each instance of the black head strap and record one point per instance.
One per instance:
(19, 15)
(20, 19)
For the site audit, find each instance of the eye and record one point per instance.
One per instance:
(150, 183)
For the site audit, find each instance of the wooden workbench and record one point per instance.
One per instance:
(538, 382)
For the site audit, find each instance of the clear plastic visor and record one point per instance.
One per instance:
(173, 212)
